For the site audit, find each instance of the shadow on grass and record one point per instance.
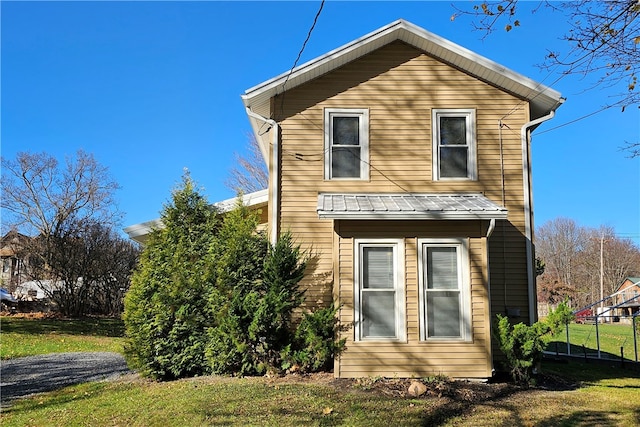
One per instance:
(560, 347)
(556, 376)
(103, 327)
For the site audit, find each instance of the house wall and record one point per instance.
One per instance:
(400, 86)
(415, 358)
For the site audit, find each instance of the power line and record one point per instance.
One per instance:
(606, 107)
(304, 45)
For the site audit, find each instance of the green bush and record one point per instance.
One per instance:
(212, 295)
(314, 346)
(166, 310)
(524, 345)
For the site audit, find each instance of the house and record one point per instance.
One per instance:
(15, 259)
(627, 297)
(401, 161)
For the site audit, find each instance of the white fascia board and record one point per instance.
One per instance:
(142, 229)
(251, 199)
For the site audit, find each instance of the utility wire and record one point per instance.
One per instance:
(304, 45)
(593, 113)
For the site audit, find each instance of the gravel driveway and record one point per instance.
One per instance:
(36, 374)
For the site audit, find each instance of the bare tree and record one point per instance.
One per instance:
(559, 243)
(39, 197)
(69, 212)
(603, 41)
(608, 260)
(250, 172)
(581, 263)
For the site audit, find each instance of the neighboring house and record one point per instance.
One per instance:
(627, 297)
(401, 161)
(15, 261)
(33, 290)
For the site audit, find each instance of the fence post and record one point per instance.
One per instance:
(568, 342)
(621, 356)
(635, 336)
(598, 335)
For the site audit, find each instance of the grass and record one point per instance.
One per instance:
(612, 338)
(28, 337)
(607, 397)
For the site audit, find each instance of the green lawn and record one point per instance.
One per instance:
(607, 397)
(27, 337)
(612, 338)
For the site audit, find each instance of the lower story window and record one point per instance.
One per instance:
(379, 290)
(444, 290)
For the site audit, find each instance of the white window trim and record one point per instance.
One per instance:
(464, 281)
(363, 114)
(470, 115)
(399, 260)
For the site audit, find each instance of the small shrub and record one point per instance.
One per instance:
(524, 345)
(314, 343)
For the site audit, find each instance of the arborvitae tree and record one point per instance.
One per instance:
(166, 308)
(238, 259)
(212, 295)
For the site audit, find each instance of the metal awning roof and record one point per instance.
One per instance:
(426, 206)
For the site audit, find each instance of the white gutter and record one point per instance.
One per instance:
(274, 174)
(528, 206)
(492, 226)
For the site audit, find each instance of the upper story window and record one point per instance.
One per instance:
(346, 136)
(454, 144)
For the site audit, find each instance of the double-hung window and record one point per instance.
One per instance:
(444, 290)
(379, 290)
(346, 143)
(454, 144)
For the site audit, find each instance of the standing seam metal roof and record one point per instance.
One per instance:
(408, 206)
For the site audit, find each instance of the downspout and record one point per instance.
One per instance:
(492, 226)
(274, 193)
(528, 207)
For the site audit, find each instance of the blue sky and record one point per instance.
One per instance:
(151, 88)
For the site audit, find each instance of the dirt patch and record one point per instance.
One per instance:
(442, 387)
(465, 391)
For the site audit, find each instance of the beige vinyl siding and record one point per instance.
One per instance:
(400, 86)
(415, 357)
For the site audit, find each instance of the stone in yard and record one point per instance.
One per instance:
(416, 388)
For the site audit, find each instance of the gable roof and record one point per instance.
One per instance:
(629, 282)
(542, 98)
(431, 206)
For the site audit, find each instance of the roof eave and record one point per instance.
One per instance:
(542, 98)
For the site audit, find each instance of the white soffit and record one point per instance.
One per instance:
(542, 98)
(425, 206)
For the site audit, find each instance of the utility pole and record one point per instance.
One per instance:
(601, 270)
